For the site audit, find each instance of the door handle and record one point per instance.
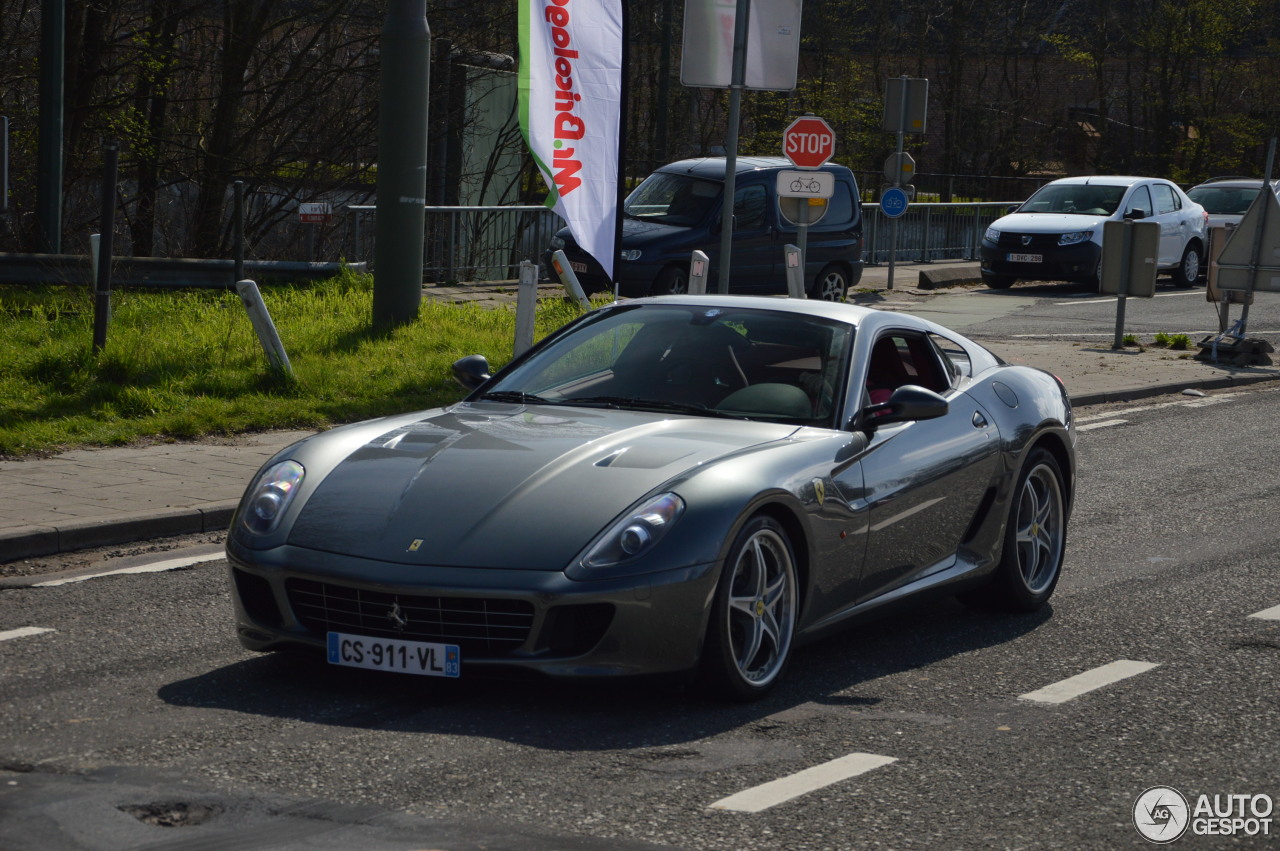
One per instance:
(979, 421)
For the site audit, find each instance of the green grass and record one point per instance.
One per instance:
(185, 364)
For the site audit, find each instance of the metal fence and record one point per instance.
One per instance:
(928, 232)
(488, 243)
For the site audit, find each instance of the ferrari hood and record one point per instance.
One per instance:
(505, 486)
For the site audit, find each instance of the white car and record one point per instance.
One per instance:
(1227, 199)
(1056, 234)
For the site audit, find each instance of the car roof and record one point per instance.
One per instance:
(865, 318)
(1237, 183)
(1104, 180)
(712, 168)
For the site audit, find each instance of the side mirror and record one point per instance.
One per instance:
(1135, 214)
(471, 371)
(1012, 208)
(909, 402)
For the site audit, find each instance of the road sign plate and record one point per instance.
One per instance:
(893, 202)
(806, 184)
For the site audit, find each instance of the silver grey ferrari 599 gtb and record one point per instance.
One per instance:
(686, 484)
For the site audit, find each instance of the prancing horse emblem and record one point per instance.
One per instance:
(820, 491)
(397, 618)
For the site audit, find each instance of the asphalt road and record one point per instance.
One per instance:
(137, 721)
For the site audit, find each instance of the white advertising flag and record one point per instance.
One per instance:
(571, 55)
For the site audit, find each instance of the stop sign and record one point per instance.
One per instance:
(808, 142)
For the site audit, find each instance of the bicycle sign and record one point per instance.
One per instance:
(893, 202)
(806, 184)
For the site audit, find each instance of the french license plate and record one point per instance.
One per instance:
(392, 654)
(577, 267)
(1026, 258)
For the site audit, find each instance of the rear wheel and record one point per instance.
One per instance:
(832, 284)
(671, 281)
(1035, 538)
(1188, 271)
(998, 282)
(753, 614)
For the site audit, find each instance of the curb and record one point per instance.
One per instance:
(35, 541)
(1133, 393)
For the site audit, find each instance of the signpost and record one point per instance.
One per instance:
(808, 142)
(906, 104)
(1130, 250)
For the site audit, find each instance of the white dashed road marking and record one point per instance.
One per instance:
(1103, 424)
(23, 632)
(153, 567)
(1271, 614)
(801, 783)
(1073, 687)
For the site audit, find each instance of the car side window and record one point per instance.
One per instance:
(749, 207)
(1166, 202)
(900, 358)
(1140, 200)
(841, 209)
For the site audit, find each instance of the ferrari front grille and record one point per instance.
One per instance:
(482, 627)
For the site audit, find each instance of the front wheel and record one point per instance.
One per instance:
(753, 615)
(832, 284)
(1188, 271)
(998, 282)
(671, 281)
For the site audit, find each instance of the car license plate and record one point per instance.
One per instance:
(1026, 258)
(393, 654)
(577, 267)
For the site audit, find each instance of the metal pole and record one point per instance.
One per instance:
(238, 230)
(1126, 265)
(897, 177)
(402, 163)
(53, 23)
(102, 283)
(4, 164)
(736, 85)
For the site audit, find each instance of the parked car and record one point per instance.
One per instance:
(677, 209)
(675, 485)
(1056, 234)
(1226, 199)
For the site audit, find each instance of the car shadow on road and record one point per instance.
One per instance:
(843, 672)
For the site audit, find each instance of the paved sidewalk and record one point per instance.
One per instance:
(97, 497)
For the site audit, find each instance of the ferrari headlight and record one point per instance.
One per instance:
(629, 254)
(267, 502)
(637, 532)
(1074, 238)
(992, 235)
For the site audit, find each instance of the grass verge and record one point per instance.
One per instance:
(186, 364)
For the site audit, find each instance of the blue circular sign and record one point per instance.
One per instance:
(893, 202)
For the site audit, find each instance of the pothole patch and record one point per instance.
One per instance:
(172, 813)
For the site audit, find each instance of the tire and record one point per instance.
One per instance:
(1188, 271)
(1095, 283)
(832, 284)
(1035, 538)
(998, 282)
(753, 614)
(671, 281)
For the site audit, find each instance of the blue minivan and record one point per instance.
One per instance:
(677, 209)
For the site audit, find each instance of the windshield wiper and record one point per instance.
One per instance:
(627, 402)
(518, 397)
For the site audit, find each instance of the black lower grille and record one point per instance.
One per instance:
(481, 627)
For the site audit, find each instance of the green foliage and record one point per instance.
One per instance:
(184, 364)
(1129, 340)
(1180, 342)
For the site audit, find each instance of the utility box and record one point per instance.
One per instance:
(1130, 250)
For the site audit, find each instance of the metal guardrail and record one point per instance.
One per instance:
(928, 232)
(173, 272)
(469, 243)
(488, 243)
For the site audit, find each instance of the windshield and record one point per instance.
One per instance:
(712, 361)
(1083, 199)
(673, 199)
(1224, 200)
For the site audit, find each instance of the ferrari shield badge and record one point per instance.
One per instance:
(415, 546)
(820, 491)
